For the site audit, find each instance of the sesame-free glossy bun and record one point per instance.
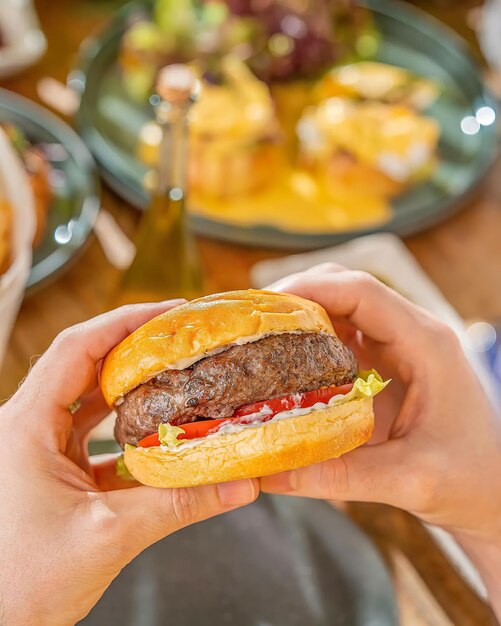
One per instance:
(256, 451)
(181, 336)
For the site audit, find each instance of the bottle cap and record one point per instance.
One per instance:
(177, 84)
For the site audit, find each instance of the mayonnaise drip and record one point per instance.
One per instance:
(255, 421)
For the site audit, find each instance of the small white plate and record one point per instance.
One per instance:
(23, 41)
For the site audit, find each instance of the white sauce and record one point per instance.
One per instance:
(188, 362)
(231, 427)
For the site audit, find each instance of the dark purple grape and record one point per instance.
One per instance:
(316, 42)
(213, 78)
(314, 53)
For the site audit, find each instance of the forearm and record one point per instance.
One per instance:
(486, 556)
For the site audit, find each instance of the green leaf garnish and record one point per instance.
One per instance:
(121, 469)
(168, 435)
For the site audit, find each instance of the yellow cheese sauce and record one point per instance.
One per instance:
(323, 165)
(298, 202)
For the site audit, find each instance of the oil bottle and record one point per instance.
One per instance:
(166, 264)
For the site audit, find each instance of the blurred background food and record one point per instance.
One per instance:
(280, 40)
(17, 230)
(234, 133)
(376, 130)
(62, 177)
(237, 44)
(5, 232)
(38, 168)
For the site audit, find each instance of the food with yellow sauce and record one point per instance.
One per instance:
(370, 80)
(234, 135)
(281, 40)
(299, 202)
(38, 170)
(5, 234)
(361, 139)
(379, 145)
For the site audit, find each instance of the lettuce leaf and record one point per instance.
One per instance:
(368, 384)
(168, 435)
(121, 469)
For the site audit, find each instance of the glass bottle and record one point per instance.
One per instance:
(166, 264)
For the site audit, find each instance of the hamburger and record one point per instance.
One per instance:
(236, 385)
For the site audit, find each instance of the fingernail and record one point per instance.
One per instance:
(280, 483)
(236, 492)
(174, 302)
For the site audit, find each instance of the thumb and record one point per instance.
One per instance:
(145, 514)
(367, 474)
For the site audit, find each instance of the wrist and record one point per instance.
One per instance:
(20, 617)
(20, 610)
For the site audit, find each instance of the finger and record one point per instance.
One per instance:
(160, 512)
(367, 474)
(315, 270)
(358, 344)
(93, 410)
(378, 311)
(94, 380)
(326, 268)
(346, 332)
(104, 472)
(64, 372)
(387, 407)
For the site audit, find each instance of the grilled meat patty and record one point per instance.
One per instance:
(277, 365)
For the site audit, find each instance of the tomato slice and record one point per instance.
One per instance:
(150, 441)
(195, 430)
(296, 401)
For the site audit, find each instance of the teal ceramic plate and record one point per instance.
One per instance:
(74, 181)
(109, 123)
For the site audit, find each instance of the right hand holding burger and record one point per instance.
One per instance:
(436, 451)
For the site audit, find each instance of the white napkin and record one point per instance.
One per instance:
(385, 256)
(24, 42)
(15, 186)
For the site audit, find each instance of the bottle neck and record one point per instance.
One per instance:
(173, 156)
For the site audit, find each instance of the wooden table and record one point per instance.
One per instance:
(463, 256)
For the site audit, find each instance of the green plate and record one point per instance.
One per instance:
(74, 181)
(109, 123)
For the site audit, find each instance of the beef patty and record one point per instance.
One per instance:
(217, 385)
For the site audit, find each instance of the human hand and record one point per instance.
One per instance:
(66, 529)
(436, 451)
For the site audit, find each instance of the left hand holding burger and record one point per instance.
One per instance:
(66, 529)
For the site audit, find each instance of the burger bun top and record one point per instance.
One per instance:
(183, 335)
